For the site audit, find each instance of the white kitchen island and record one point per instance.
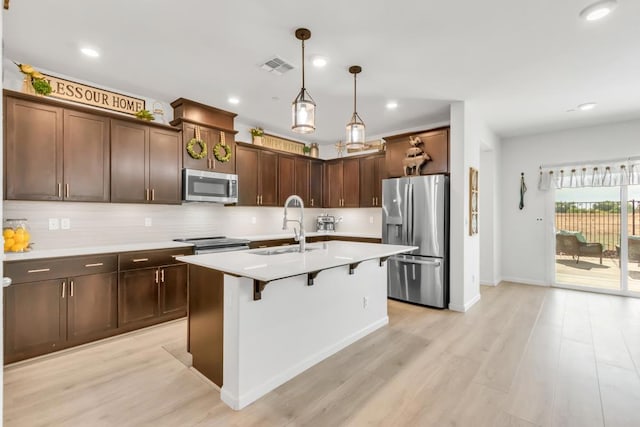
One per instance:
(257, 318)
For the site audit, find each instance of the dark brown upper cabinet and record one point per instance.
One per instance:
(286, 177)
(257, 177)
(434, 142)
(316, 168)
(342, 183)
(55, 154)
(145, 164)
(371, 176)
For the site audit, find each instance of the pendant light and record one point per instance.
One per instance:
(355, 128)
(303, 108)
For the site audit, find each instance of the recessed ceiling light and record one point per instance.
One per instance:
(233, 100)
(319, 61)
(598, 10)
(392, 105)
(90, 52)
(587, 106)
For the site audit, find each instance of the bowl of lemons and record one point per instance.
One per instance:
(16, 236)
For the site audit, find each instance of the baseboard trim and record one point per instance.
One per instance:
(464, 308)
(522, 281)
(239, 402)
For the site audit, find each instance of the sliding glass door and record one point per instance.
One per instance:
(597, 238)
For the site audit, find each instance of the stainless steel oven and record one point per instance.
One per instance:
(206, 186)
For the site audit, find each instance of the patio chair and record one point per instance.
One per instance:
(634, 248)
(574, 244)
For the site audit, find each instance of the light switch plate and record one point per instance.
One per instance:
(65, 223)
(54, 224)
(253, 220)
(148, 222)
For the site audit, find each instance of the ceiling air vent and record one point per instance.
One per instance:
(277, 66)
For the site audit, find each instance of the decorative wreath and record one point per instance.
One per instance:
(217, 151)
(203, 148)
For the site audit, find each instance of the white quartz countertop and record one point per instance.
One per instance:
(323, 255)
(92, 250)
(289, 235)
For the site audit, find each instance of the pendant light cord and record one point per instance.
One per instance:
(354, 94)
(303, 89)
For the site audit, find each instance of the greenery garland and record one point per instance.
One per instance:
(203, 148)
(222, 158)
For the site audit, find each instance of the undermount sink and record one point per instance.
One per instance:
(279, 251)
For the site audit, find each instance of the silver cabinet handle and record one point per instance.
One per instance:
(60, 190)
(64, 287)
(6, 281)
(156, 277)
(40, 270)
(311, 202)
(71, 288)
(153, 194)
(140, 259)
(162, 275)
(97, 264)
(66, 191)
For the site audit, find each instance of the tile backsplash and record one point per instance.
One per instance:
(94, 224)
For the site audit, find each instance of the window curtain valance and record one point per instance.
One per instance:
(610, 173)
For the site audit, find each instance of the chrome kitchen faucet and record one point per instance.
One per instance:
(301, 236)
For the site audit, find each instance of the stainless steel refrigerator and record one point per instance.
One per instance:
(415, 212)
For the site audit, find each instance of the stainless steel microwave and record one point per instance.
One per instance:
(205, 186)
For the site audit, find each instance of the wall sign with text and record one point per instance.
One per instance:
(89, 95)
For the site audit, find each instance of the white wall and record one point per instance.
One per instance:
(94, 224)
(489, 213)
(468, 132)
(525, 257)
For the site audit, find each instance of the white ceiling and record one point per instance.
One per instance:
(523, 64)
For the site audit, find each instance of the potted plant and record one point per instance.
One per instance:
(306, 150)
(256, 134)
(34, 81)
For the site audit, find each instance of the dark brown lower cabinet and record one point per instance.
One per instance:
(44, 316)
(35, 319)
(150, 295)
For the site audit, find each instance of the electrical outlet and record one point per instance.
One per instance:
(65, 223)
(370, 220)
(253, 220)
(54, 224)
(148, 222)
(365, 302)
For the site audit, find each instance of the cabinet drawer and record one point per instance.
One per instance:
(57, 268)
(144, 259)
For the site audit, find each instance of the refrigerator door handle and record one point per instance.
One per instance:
(416, 261)
(410, 216)
(405, 217)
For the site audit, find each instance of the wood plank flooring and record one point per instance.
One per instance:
(523, 356)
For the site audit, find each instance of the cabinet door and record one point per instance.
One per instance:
(268, 178)
(92, 306)
(188, 133)
(129, 163)
(315, 184)
(138, 295)
(301, 180)
(223, 167)
(35, 318)
(286, 178)
(33, 151)
(173, 290)
(379, 175)
(86, 157)
(164, 167)
(335, 182)
(351, 186)
(247, 167)
(367, 182)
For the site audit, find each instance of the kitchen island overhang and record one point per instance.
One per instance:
(309, 307)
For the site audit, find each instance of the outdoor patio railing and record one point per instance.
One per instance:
(598, 221)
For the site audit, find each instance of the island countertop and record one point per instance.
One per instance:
(280, 264)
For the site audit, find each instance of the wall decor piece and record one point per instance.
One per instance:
(89, 95)
(473, 201)
(282, 144)
(523, 189)
(415, 157)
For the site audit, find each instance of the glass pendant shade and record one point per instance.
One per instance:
(303, 113)
(355, 128)
(355, 132)
(303, 108)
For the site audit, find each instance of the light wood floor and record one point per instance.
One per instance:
(522, 356)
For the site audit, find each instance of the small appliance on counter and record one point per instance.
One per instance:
(208, 245)
(326, 222)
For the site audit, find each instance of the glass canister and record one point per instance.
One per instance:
(16, 235)
(315, 151)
